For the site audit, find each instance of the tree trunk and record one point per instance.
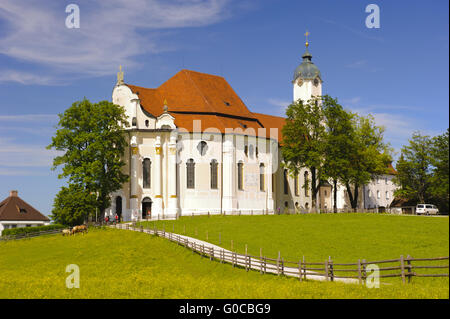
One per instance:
(353, 196)
(335, 195)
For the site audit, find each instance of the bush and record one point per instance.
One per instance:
(27, 230)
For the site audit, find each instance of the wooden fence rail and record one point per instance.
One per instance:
(328, 270)
(30, 235)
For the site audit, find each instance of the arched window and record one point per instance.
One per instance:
(285, 182)
(306, 184)
(262, 179)
(190, 173)
(214, 166)
(240, 175)
(146, 167)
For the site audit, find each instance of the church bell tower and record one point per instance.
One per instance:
(307, 78)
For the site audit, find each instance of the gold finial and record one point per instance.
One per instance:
(120, 76)
(306, 35)
(165, 102)
(166, 108)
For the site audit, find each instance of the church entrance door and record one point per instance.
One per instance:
(146, 208)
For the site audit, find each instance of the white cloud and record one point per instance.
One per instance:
(36, 118)
(111, 33)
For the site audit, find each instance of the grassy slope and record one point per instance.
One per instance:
(344, 237)
(122, 264)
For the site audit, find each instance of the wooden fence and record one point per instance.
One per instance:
(30, 235)
(329, 270)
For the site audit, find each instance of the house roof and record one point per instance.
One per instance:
(192, 95)
(15, 208)
(391, 169)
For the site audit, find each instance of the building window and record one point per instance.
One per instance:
(378, 194)
(296, 185)
(386, 181)
(262, 181)
(190, 173)
(146, 166)
(214, 166)
(369, 194)
(285, 182)
(378, 180)
(246, 150)
(240, 175)
(387, 195)
(306, 184)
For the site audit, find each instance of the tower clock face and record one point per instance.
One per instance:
(299, 82)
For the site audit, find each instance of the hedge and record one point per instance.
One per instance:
(27, 230)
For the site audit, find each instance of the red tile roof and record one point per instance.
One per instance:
(193, 96)
(15, 208)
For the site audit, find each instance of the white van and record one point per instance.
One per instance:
(426, 209)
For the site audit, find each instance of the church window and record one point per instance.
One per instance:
(146, 123)
(306, 184)
(202, 147)
(146, 166)
(285, 180)
(214, 166)
(240, 166)
(246, 150)
(190, 173)
(296, 185)
(262, 181)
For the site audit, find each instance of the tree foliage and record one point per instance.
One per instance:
(303, 140)
(333, 144)
(368, 156)
(423, 170)
(92, 140)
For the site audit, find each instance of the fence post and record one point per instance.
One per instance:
(330, 266)
(402, 267)
(265, 264)
(410, 274)
(304, 268)
(246, 269)
(326, 270)
(278, 263)
(282, 266)
(260, 260)
(359, 271)
(300, 270)
(364, 274)
(211, 253)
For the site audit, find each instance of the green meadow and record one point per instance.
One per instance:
(125, 264)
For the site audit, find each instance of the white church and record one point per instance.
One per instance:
(195, 148)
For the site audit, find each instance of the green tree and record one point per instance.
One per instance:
(338, 144)
(303, 141)
(440, 179)
(368, 156)
(414, 169)
(92, 139)
(72, 205)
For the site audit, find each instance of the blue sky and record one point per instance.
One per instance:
(398, 73)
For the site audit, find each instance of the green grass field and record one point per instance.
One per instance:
(125, 264)
(343, 237)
